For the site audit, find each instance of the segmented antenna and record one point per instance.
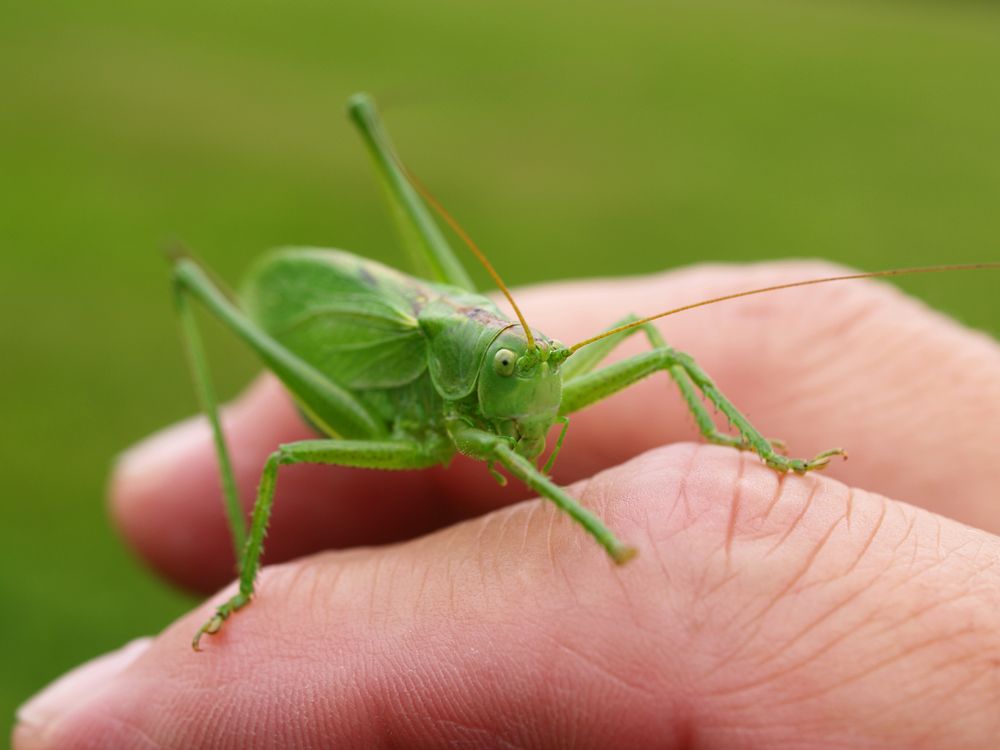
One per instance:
(464, 236)
(791, 285)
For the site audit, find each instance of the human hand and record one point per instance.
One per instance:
(762, 611)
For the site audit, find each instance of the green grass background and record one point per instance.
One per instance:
(577, 138)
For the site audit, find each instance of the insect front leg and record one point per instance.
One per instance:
(486, 446)
(366, 454)
(585, 387)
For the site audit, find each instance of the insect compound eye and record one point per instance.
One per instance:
(504, 361)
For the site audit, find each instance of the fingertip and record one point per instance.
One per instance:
(39, 716)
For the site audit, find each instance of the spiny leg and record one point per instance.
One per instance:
(486, 446)
(389, 454)
(587, 359)
(689, 392)
(325, 402)
(421, 236)
(209, 405)
(589, 387)
(558, 446)
(751, 437)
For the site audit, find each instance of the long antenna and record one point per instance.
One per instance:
(792, 285)
(452, 222)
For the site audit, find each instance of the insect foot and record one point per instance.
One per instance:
(214, 625)
(801, 466)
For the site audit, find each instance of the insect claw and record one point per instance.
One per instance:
(501, 479)
(622, 553)
(209, 628)
(214, 625)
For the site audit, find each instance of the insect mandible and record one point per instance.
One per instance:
(401, 372)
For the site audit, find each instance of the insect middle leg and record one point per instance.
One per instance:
(367, 454)
(584, 386)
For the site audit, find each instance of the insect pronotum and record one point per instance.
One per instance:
(403, 372)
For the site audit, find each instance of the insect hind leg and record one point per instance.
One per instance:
(209, 403)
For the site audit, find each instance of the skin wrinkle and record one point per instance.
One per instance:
(911, 520)
(991, 563)
(726, 579)
(372, 589)
(907, 618)
(912, 575)
(880, 664)
(503, 532)
(835, 576)
(678, 497)
(934, 693)
(592, 665)
(477, 736)
(487, 556)
(734, 509)
(550, 550)
(543, 515)
(317, 585)
(779, 490)
(593, 494)
(757, 619)
(847, 518)
(813, 489)
(876, 527)
(801, 696)
(816, 622)
(423, 576)
(702, 588)
(914, 615)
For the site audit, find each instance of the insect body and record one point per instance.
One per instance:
(400, 372)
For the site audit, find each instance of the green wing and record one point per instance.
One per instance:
(353, 319)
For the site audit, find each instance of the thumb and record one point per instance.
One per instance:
(761, 611)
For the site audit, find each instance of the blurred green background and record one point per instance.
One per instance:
(570, 138)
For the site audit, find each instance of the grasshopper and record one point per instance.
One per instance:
(403, 372)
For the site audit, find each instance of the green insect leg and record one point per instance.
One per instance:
(558, 446)
(325, 403)
(588, 387)
(328, 405)
(389, 454)
(421, 236)
(209, 403)
(488, 447)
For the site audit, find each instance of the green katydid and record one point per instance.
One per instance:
(400, 372)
